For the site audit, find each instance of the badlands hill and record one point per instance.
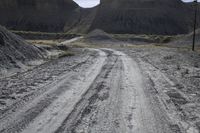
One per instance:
(163, 17)
(144, 17)
(36, 15)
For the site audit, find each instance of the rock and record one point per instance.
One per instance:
(99, 37)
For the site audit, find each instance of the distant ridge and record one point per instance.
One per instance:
(165, 17)
(36, 15)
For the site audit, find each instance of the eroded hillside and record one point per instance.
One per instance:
(34, 15)
(144, 16)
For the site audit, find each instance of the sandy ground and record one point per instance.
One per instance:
(135, 90)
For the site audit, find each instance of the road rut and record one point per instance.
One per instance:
(107, 96)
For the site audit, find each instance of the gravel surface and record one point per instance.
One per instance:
(175, 76)
(104, 91)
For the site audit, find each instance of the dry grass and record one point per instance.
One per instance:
(41, 33)
(66, 53)
(151, 38)
(81, 44)
(45, 42)
(142, 46)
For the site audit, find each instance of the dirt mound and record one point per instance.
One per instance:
(15, 52)
(98, 36)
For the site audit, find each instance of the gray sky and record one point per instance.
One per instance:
(87, 3)
(189, 0)
(92, 3)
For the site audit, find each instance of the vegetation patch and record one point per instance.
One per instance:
(144, 38)
(66, 54)
(30, 35)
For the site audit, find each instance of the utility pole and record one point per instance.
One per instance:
(195, 24)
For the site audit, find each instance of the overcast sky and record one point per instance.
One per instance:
(92, 3)
(87, 3)
(189, 0)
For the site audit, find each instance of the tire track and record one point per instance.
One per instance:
(16, 121)
(110, 96)
(85, 106)
(35, 81)
(51, 118)
(116, 102)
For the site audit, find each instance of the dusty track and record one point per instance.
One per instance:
(105, 93)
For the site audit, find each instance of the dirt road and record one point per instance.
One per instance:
(100, 92)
